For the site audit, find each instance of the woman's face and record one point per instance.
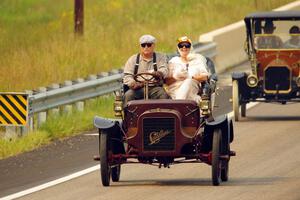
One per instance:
(184, 48)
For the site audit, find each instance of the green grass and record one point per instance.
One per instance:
(26, 143)
(59, 127)
(66, 124)
(38, 47)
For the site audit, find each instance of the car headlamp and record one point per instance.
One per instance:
(252, 81)
(204, 106)
(118, 106)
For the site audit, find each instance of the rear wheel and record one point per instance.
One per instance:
(235, 100)
(104, 165)
(216, 162)
(115, 173)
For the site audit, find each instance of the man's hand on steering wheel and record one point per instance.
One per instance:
(137, 86)
(158, 74)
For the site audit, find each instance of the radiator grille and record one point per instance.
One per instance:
(159, 134)
(277, 78)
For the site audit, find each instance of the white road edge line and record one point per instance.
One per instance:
(51, 183)
(91, 134)
(77, 174)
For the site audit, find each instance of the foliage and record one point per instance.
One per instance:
(58, 127)
(37, 45)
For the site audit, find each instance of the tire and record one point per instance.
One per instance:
(235, 100)
(243, 110)
(216, 162)
(225, 170)
(104, 165)
(115, 173)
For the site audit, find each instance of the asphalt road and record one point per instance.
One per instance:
(266, 165)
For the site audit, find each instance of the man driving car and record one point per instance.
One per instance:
(145, 61)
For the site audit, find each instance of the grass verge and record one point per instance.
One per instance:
(59, 127)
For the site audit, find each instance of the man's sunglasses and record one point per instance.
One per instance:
(186, 45)
(146, 44)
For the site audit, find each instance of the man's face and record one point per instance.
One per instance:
(147, 48)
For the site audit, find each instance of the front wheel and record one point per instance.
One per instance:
(115, 173)
(216, 152)
(235, 100)
(225, 170)
(103, 151)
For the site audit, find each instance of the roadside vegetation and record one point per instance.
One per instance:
(58, 127)
(38, 47)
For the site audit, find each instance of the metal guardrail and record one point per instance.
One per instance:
(93, 88)
(79, 90)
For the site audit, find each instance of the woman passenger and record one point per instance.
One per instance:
(186, 72)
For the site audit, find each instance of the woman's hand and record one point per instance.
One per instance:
(200, 77)
(180, 75)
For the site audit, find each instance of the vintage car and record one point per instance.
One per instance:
(164, 132)
(273, 48)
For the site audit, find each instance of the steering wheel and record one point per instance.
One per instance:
(146, 77)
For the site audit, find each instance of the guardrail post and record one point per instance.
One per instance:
(10, 132)
(29, 125)
(102, 75)
(41, 116)
(90, 78)
(68, 108)
(80, 104)
(54, 111)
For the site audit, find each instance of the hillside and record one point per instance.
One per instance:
(37, 45)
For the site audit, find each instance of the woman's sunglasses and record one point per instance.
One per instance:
(146, 44)
(186, 45)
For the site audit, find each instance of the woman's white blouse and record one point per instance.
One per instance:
(196, 65)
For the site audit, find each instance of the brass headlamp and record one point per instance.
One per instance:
(118, 105)
(252, 81)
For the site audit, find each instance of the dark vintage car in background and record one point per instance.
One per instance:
(273, 48)
(164, 132)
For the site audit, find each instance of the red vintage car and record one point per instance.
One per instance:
(273, 48)
(163, 132)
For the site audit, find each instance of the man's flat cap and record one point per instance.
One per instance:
(147, 39)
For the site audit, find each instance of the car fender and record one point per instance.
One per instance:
(244, 89)
(104, 123)
(238, 75)
(225, 124)
(113, 128)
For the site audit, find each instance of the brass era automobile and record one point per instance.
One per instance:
(163, 132)
(273, 48)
